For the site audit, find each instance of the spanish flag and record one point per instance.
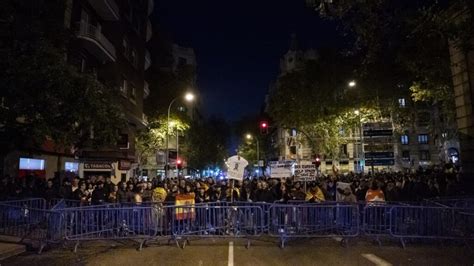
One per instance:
(188, 211)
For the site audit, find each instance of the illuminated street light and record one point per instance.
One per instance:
(248, 136)
(189, 97)
(352, 83)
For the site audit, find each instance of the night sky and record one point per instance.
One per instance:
(238, 45)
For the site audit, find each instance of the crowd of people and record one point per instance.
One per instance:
(392, 187)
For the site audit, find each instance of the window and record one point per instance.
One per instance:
(406, 155)
(31, 164)
(424, 155)
(402, 102)
(133, 93)
(71, 167)
(125, 47)
(134, 58)
(423, 139)
(124, 87)
(404, 139)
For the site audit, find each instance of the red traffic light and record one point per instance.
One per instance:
(179, 161)
(263, 125)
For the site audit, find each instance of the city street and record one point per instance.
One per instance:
(261, 252)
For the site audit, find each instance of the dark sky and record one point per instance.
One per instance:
(238, 45)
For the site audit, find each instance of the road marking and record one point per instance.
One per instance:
(231, 254)
(376, 260)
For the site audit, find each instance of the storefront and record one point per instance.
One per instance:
(117, 171)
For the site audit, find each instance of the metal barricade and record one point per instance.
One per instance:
(230, 220)
(424, 222)
(35, 203)
(139, 223)
(29, 223)
(313, 220)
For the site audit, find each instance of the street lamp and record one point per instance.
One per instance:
(352, 84)
(189, 97)
(249, 137)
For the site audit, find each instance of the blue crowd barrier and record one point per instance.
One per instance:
(311, 220)
(71, 221)
(35, 203)
(24, 222)
(422, 222)
(139, 223)
(224, 220)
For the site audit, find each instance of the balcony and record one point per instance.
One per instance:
(95, 42)
(147, 59)
(107, 9)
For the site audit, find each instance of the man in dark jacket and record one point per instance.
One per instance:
(98, 196)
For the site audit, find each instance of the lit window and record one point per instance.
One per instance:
(404, 139)
(71, 167)
(402, 102)
(423, 139)
(31, 164)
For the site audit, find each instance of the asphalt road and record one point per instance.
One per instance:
(261, 252)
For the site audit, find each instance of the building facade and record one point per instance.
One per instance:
(108, 41)
(414, 136)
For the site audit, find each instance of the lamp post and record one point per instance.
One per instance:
(361, 136)
(189, 97)
(249, 137)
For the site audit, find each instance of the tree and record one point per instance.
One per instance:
(316, 101)
(153, 138)
(42, 95)
(206, 143)
(408, 38)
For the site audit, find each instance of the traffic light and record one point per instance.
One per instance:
(179, 164)
(263, 127)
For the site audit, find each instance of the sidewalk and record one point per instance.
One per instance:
(8, 250)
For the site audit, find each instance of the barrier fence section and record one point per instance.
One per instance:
(35, 203)
(31, 219)
(431, 223)
(139, 223)
(25, 222)
(312, 220)
(467, 202)
(223, 220)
